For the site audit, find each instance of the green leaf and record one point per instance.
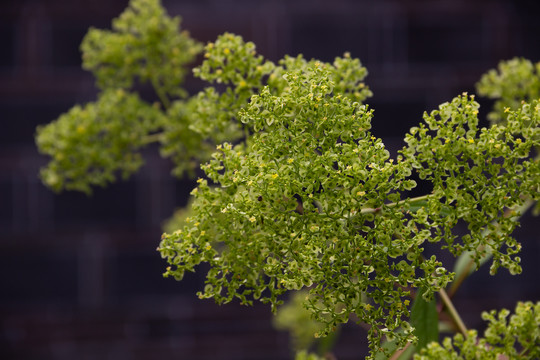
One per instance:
(425, 319)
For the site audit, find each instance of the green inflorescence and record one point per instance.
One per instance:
(513, 82)
(91, 144)
(298, 194)
(517, 337)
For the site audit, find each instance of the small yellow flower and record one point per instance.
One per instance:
(274, 176)
(252, 219)
(507, 109)
(290, 161)
(226, 51)
(203, 233)
(361, 193)
(471, 141)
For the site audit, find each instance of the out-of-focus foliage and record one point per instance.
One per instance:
(144, 45)
(517, 337)
(92, 144)
(293, 317)
(89, 145)
(513, 82)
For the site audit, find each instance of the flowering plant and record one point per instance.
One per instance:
(298, 194)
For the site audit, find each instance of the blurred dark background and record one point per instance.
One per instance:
(80, 277)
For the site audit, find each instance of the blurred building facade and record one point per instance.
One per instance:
(80, 276)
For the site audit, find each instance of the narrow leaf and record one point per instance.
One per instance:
(425, 319)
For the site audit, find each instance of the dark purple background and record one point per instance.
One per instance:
(80, 277)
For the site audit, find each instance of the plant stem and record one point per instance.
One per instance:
(152, 138)
(160, 93)
(396, 355)
(411, 201)
(471, 265)
(453, 312)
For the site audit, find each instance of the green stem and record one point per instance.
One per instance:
(396, 355)
(453, 312)
(160, 93)
(411, 201)
(152, 138)
(471, 265)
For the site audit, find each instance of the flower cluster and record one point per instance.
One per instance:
(312, 199)
(476, 175)
(514, 338)
(88, 145)
(298, 193)
(514, 81)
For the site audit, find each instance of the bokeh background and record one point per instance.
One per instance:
(80, 277)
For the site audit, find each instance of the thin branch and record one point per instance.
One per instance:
(397, 354)
(152, 138)
(410, 201)
(453, 312)
(471, 264)
(160, 93)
